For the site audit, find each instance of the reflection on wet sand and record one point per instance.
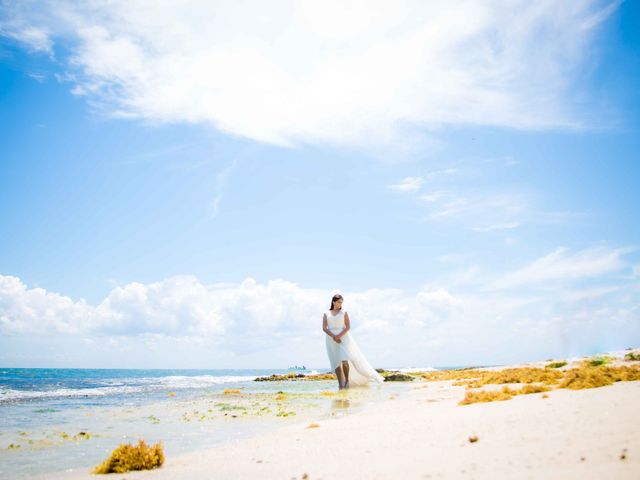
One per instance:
(340, 403)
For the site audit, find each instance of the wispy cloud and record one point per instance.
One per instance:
(561, 264)
(408, 184)
(36, 39)
(433, 196)
(497, 226)
(499, 208)
(342, 73)
(220, 182)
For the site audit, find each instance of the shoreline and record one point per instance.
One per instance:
(421, 431)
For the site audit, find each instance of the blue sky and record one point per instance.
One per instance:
(178, 195)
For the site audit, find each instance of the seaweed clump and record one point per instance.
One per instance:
(475, 396)
(472, 396)
(515, 375)
(128, 457)
(457, 374)
(600, 376)
(586, 376)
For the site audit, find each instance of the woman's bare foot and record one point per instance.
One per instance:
(346, 384)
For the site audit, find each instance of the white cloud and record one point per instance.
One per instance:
(35, 310)
(467, 315)
(408, 184)
(562, 265)
(438, 297)
(36, 39)
(351, 73)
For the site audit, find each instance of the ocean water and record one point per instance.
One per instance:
(71, 419)
(78, 386)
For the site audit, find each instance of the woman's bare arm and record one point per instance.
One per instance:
(347, 325)
(325, 326)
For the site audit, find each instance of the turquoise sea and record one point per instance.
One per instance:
(71, 419)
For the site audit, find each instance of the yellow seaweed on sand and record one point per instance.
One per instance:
(472, 396)
(587, 375)
(128, 457)
(598, 376)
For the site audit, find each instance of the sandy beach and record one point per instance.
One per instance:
(303, 240)
(421, 431)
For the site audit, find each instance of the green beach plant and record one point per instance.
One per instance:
(597, 361)
(556, 364)
(632, 356)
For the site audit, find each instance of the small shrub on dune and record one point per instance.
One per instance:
(556, 364)
(632, 356)
(597, 361)
(128, 457)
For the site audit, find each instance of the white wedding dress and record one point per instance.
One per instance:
(360, 372)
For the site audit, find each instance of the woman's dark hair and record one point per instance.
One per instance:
(337, 296)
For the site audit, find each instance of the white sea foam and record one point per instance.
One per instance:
(126, 386)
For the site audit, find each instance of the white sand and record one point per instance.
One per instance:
(424, 434)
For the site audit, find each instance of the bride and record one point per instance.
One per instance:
(345, 357)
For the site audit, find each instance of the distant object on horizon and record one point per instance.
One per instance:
(297, 368)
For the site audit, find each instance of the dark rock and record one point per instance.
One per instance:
(398, 377)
